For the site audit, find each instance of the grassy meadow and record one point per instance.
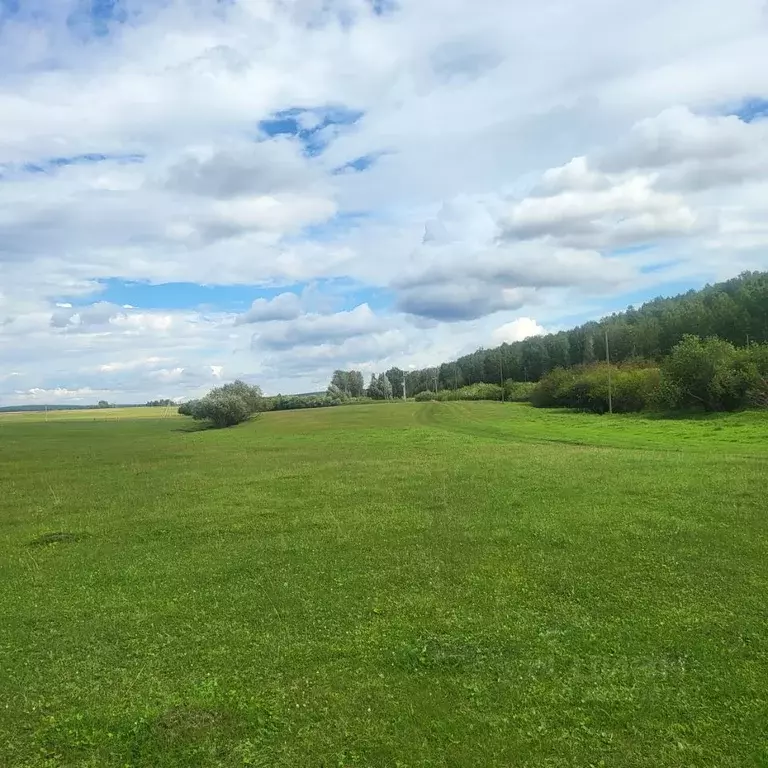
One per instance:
(89, 414)
(437, 584)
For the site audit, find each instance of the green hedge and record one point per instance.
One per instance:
(634, 388)
(708, 374)
(514, 391)
(471, 392)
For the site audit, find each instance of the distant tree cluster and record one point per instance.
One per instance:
(349, 385)
(227, 405)
(346, 384)
(735, 311)
(160, 403)
(380, 387)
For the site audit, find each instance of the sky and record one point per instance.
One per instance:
(193, 191)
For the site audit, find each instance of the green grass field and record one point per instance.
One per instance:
(95, 414)
(446, 584)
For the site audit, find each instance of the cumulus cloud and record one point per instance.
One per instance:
(203, 144)
(468, 266)
(478, 256)
(58, 394)
(100, 313)
(283, 213)
(104, 316)
(625, 212)
(517, 330)
(676, 136)
(467, 299)
(254, 169)
(284, 306)
(311, 329)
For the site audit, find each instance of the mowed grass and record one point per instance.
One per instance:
(442, 584)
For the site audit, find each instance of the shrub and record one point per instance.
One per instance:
(227, 405)
(757, 396)
(297, 402)
(250, 394)
(221, 409)
(471, 392)
(554, 389)
(519, 391)
(711, 374)
(699, 373)
(186, 409)
(634, 388)
(425, 396)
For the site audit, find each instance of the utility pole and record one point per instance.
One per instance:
(404, 395)
(501, 374)
(610, 383)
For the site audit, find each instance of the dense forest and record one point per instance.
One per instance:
(735, 311)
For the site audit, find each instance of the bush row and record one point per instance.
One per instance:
(709, 374)
(514, 391)
(585, 387)
(295, 402)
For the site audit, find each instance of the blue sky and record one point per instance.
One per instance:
(196, 191)
(338, 294)
(755, 108)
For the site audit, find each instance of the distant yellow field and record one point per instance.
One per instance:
(97, 414)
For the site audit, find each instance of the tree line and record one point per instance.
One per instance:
(702, 349)
(735, 311)
(698, 374)
(350, 384)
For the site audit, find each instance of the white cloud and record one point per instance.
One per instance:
(517, 330)
(87, 317)
(524, 161)
(58, 394)
(677, 136)
(130, 365)
(284, 306)
(625, 211)
(259, 168)
(285, 213)
(312, 329)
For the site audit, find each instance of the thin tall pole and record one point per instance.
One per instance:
(404, 395)
(501, 375)
(610, 382)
